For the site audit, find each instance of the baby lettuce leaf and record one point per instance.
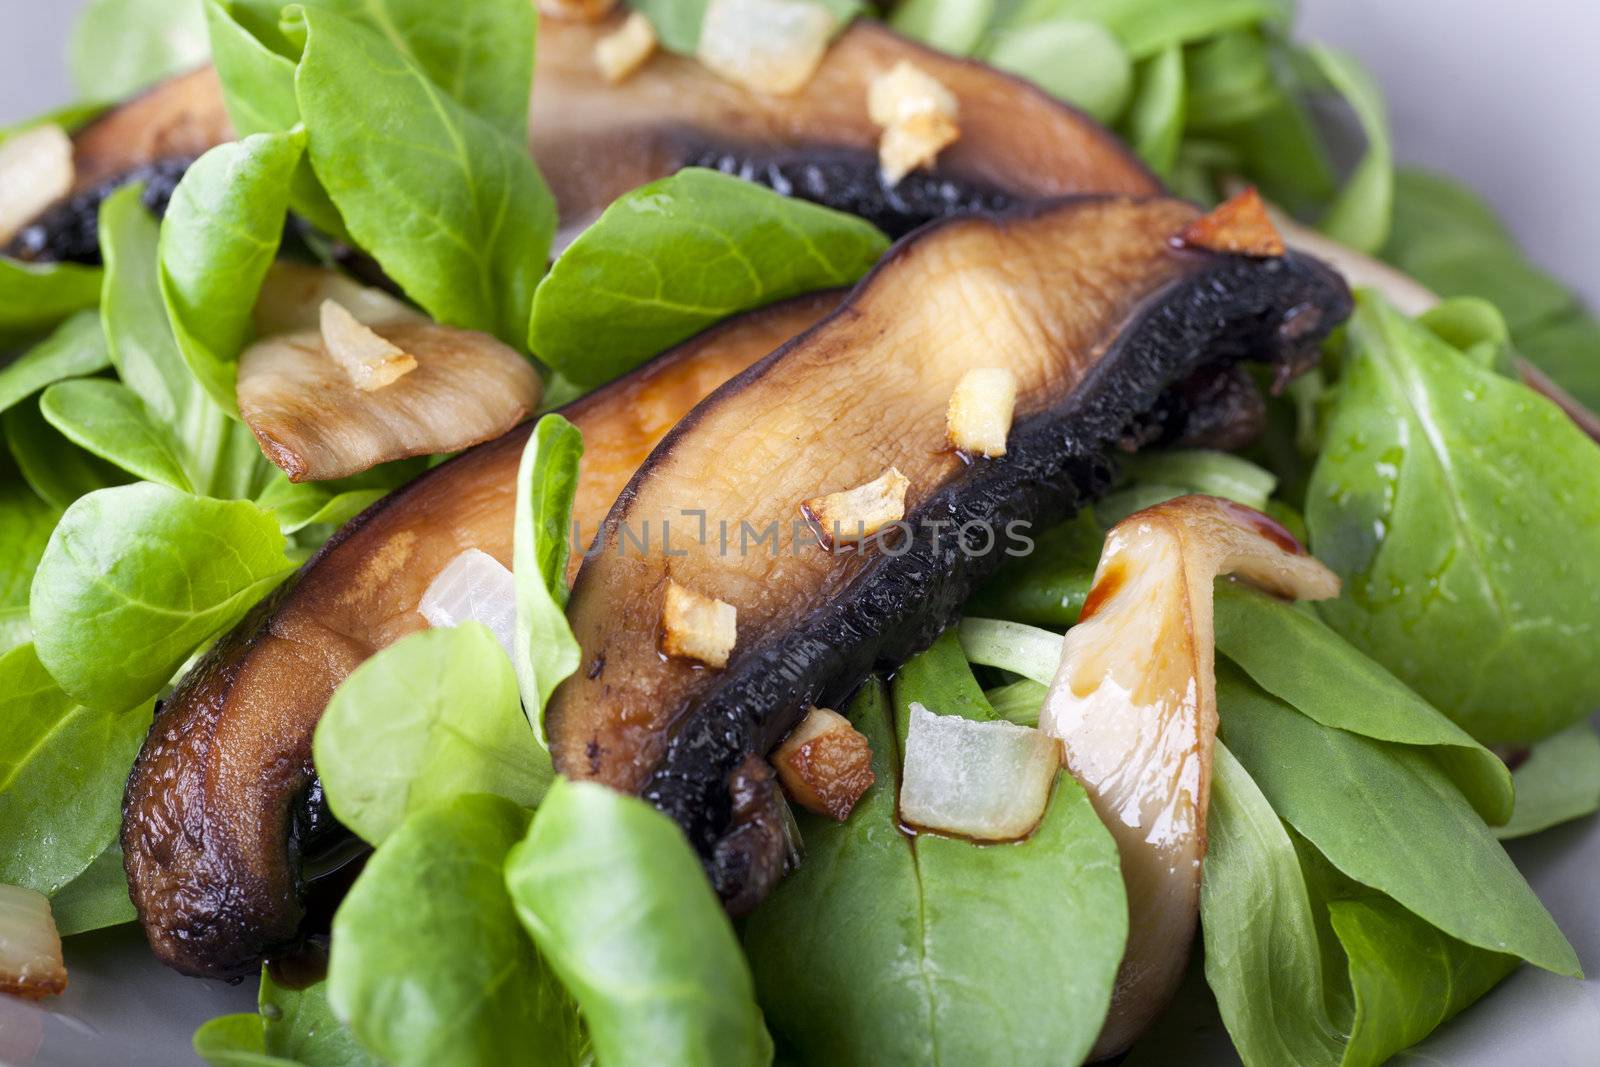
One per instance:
(108, 419)
(1462, 511)
(62, 769)
(1155, 118)
(429, 965)
(547, 480)
(95, 899)
(887, 948)
(954, 26)
(1387, 817)
(76, 349)
(1359, 215)
(56, 469)
(619, 906)
(677, 255)
(1297, 658)
(433, 716)
(1081, 62)
(34, 297)
(25, 525)
(1025, 650)
(221, 233)
(1145, 27)
(293, 1028)
(452, 208)
(301, 504)
(136, 577)
(1047, 586)
(1298, 957)
(219, 455)
(1263, 960)
(1019, 702)
(1560, 780)
(121, 46)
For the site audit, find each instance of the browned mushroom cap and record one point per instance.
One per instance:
(1100, 319)
(1135, 704)
(213, 852)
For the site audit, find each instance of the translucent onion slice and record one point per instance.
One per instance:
(474, 587)
(293, 294)
(30, 949)
(770, 46)
(1134, 704)
(316, 424)
(36, 170)
(988, 781)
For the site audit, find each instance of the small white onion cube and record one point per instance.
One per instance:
(988, 781)
(474, 587)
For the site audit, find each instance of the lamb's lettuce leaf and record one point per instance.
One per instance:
(1307, 967)
(221, 233)
(1462, 511)
(54, 468)
(975, 974)
(34, 297)
(1360, 213)
(219, 455)
(25, 525)
(451, 207)
(107, 419)
(95, 899)
(547, 481)
(676, 256)
(618, 904)
(136, 577)
(431, 717)
(62, 770)
(1559, 781)
(292, 1028)
(1077, 60)
(77, 348)
(1387, 817)
(429, 964)
(1291, 654)
(121, 46)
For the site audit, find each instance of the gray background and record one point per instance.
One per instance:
(1505, 95)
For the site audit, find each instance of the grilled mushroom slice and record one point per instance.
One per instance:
(217, 826)
(1102, 318)
(595, 140)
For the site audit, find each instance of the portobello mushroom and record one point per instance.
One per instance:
(595, 141)
(222, 826)
(1101, 313)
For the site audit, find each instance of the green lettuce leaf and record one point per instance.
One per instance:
(547, 480)
(95, 899)
(1559, 781)
(431, 717)
(452, 208)
(34, 297)
(25, 525)
(429, 965)
(292, 1028)
(978, 979)
(1462, 511)
(54, 468)
(680, 254)
(107, 419)
(1387, 817)
(136, 577)
(121, 46)
(62, 770)
(619, 905)
(76, 349)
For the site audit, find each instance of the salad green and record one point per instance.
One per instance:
(1356, 893)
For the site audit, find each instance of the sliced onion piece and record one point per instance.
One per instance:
(1134, 704)
(771, 46)
(988, 781)
(30, 949)
(474, 587)
(293, 294)
(36, 170)
(316, 424)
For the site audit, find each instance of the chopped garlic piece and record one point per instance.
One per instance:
(907, 90)
(771, 46)
(577, 10)
(856, 514)
(981, 409)
(35, 171)
(698, 627)
(918, 116)
(621, 53)
(825, 764)
(371, 361)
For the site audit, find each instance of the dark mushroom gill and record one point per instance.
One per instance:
(1102, 318)
(595, 141)
(213, 859)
